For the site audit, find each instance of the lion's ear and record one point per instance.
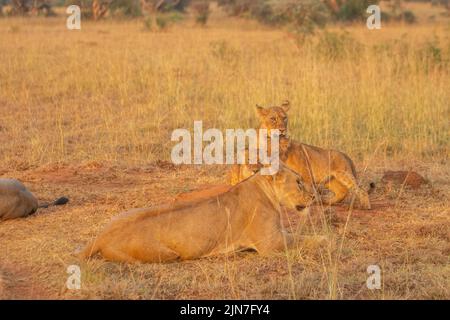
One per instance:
(260, 111)
(285, 105)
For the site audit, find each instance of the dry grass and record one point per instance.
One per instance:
(115, 92)
(86, 114)
(407, 236)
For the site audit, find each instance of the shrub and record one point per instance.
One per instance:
(202, 12)
(334, 46)
(408, 16)
(431, 55)
(225, 53)
(174, 5)
(239, 7)
(385, 16)
(148, 24)
(265, 13)
(354, 9)
(306, 15)
(168, 5)
(129, 8)
(162, 22)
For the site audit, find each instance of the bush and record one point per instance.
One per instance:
(353, 10)
(239, 7)
(202, 12)
(305, 15)
(148, 23)
(385, 16)
(162, 22)
(432, 55)
(224, 52)
(408, 16)
(334, 46)
(264, 13)
(172, 5)
(302, 16)
(129, 8)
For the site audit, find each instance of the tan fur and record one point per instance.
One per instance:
(201, 194)
(15, 200)
(321, 168)
(240, 172)
(274, 117)
(246, 216)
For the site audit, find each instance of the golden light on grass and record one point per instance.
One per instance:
(87, 113)
(115, 92)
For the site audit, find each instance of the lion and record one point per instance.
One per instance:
(245, 217)
(321, 168)
(201, 193)
(17, 201)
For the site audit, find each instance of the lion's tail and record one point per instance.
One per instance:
(58, 202)
(372, 187)
(90, 250)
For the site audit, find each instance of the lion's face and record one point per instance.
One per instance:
(290, 189)
(274, 117)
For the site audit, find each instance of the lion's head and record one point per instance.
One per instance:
(289, 188)
(274, 117)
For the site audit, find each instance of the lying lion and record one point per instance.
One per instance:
(201, 193)
(322, 168)
(16, 201)
(245, 217)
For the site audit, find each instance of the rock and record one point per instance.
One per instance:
(410, 178)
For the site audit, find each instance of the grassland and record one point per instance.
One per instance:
(89, 114)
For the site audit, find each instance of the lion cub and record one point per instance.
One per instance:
(322, 168)
(245, 217)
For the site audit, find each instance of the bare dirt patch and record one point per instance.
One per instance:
(407, 178)
(405, 233)
(15, 283)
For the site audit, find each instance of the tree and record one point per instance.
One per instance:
(154, 6)
(35, 7)
(350, 10)
(20, 7)
(99, 8)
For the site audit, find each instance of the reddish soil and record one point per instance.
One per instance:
(408, 178)
(16, 283)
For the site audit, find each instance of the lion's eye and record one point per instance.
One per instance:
(273, 119)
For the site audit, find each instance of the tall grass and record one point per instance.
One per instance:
(115, 92)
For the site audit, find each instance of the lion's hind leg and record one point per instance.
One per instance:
(158, 253)
(337, 191)
(115, 254)
(345, 182)
(275, 240)
(149, 253)
(285, 241)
